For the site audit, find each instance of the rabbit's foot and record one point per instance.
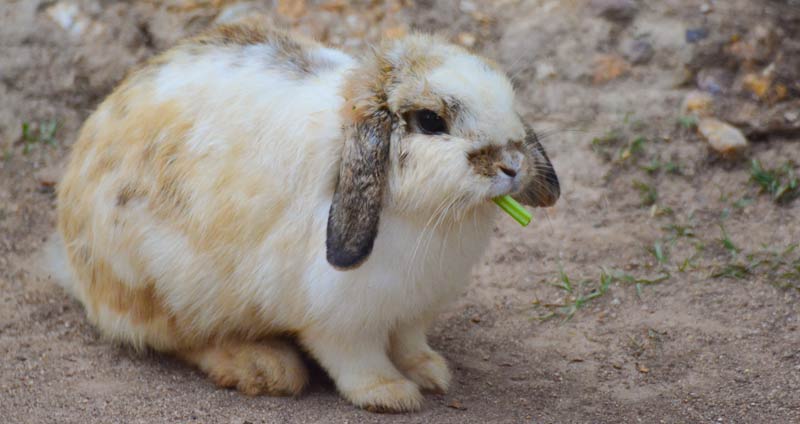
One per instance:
(411, 354)
(272, 367)
(426, 368)
(363, 372)
(380, 394)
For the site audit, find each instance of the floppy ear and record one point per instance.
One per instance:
(355, 211)
(542, 189)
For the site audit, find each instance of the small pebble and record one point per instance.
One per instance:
(714, 80)
(456, 404)
(722, 137)
(615, 10)
(638, 51)
(608, 67)
(697, 103)
(545, 71)
(466, 39)
(696, 34)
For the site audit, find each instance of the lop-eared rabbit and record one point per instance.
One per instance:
(249, 193)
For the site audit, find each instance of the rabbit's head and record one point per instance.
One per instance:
(429, 128)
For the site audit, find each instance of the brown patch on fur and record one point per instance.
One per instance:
(272, 366)
(139, 305)
(484, 161)
(290, 52)
(127, 193)
(243, 34)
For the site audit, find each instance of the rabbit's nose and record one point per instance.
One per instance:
(511, 172)
(510, 164)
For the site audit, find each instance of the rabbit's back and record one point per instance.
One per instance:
(204, 173)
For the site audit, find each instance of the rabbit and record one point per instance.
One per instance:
(250, 195)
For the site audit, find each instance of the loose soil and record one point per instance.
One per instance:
(694, 347)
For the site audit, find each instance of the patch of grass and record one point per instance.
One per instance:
(579, 294)
(656, 165)
(780, 267)
(614, 146)
(634, 148)
(688, 122)
(726, 241)
(677, 231)
(605, 145)
(42, 133)
(781, 183)
(659, 253)
(647, 192)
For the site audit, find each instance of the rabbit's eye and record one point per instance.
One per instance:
(429, 122)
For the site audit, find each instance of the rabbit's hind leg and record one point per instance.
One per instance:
(272, 366)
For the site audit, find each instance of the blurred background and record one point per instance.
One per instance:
(663, 287)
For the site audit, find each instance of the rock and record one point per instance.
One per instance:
(756, 46)
(69, 16)
(764, 87)
(781, 120)
(456, 404)
(715, 80)
(608, 67)
(722, 137)
(757, 84)
(697, 103)
(637, 51)
(615, 10)
(466, 39)
(545, 70)
(695, 35)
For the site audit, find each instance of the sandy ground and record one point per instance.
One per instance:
(696, 346)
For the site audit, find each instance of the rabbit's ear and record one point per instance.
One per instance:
(543, 189)
(355, 211)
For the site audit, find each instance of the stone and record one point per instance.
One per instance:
(697, 103)
(721, 136)
(637, 52)
(466, 39)
(715, 80)
(545, 70)
(694, 35)
(615, 10)
(69, 17)
(608, 67)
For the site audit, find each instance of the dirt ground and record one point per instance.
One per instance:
(678, 300)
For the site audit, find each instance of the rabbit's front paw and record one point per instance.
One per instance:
(386, 395)
(428, 369)
(271, 367)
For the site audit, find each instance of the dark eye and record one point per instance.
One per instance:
(429, 122)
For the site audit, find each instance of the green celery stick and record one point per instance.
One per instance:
(513, 208)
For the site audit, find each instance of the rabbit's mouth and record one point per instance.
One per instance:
(504, 183)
